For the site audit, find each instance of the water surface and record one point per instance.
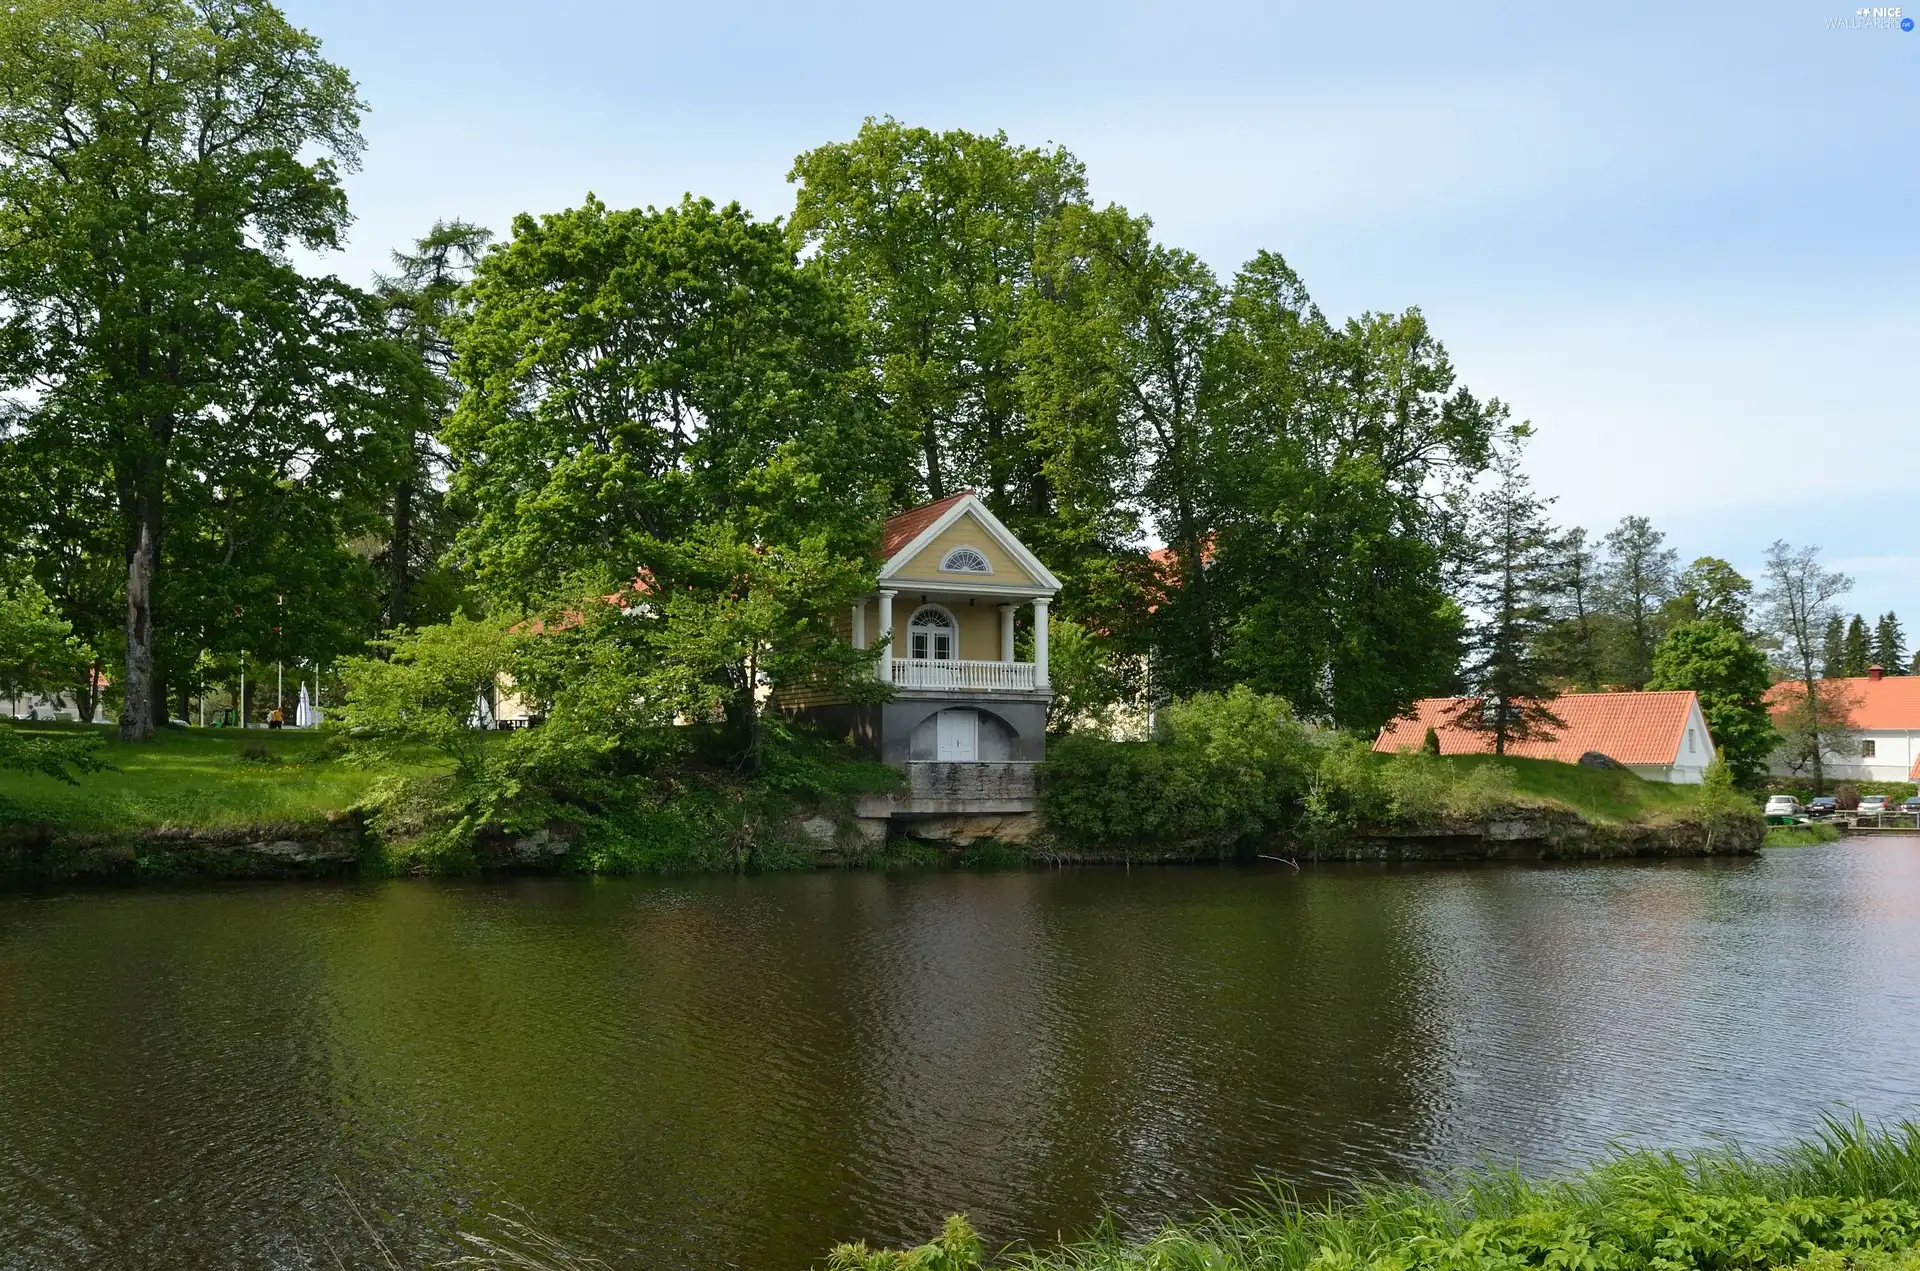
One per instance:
(739, 1072)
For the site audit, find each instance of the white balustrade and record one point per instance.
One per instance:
(955, 674)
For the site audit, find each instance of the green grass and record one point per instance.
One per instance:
(1599, 794)
(194, 778)
(1847, 1200)
(1801, 835)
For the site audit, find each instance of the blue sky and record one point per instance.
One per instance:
(1681, 239)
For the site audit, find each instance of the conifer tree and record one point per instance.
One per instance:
(1833, 648)
(1890, 645)
(1508, 588)
(1855, 651)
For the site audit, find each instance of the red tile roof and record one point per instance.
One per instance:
(903, 527)
(1890, 702)
(1631, 728)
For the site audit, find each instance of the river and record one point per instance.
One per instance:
(741, 1071)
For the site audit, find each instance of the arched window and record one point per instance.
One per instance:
(966, 560)
(932, 635)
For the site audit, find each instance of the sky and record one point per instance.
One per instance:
(1681, 240)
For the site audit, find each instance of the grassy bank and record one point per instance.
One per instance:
(1847, 1199)
(1605, 795)
(1811, 835)
(190, 778)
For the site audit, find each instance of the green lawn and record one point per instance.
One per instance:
(1600, 794)
(190, 778)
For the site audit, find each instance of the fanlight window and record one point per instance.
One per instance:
(966, 560)
(930, 636)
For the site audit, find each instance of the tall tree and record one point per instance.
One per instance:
(1507, 590)
(1715, 659)
(1856, 651)
(1711, 590)
(1890, 645)
(1118, 352)
(1637, 581)
(934, 234)
(1798, 607)
(1334, 457)
(1833, 647)
(1576, 645)
(423, 302)
(156, 158)
(660, 402)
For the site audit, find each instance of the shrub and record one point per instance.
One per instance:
(1847, 795)
(1229, 767)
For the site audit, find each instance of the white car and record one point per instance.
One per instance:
(1782, 805)
(1872, 804)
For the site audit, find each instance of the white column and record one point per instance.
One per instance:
(886, 636)
(1040, 641)
(1006, 633)
(860, 624)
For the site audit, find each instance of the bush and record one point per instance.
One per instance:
(1231, 767)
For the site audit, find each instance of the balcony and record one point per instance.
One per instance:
(972, 677)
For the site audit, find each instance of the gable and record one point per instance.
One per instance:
(960, 521)
(967, 531)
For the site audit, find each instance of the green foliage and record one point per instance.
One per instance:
(1229, 767)
(427, 692)
(1722, 665)
(1509, 581)
(1813, 834)
(1091, 684)
(1842, 1203)
(1890, 645)
(157, 158)
(1353, 786)
(61, 757)
(38, 651)
(1711, 590)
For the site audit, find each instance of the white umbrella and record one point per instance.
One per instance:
(304, 716)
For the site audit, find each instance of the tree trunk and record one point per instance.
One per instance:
(401, 552)
(137, 689)
(930, 442)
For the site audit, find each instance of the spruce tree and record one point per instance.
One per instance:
(1890, 645)
(1833, 648)
(1508, 584)
(1855, 653)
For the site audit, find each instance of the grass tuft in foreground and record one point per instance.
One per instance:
(1848, 1200)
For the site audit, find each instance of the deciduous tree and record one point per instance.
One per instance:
(1798, 607)
(1636, 582)
(1716, 660)
(156, 158)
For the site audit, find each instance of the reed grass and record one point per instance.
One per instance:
(1847, 1199)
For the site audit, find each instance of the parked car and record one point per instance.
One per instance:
(1782, 805)
(1911, 805)
(1872, 804)
(1822, 805)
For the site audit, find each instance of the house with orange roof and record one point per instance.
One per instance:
(1883, 742)
(967, 719)
(1662, 736)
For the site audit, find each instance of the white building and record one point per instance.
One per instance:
(1885, 737)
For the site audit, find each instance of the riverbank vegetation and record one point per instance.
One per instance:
(1848, 1200)
(1809, 835)
(632, 464)
(1237, 769)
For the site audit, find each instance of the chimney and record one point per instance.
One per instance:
(1875, 672)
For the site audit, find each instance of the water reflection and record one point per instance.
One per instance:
(741, 1071)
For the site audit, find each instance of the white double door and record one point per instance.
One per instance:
(956, 735)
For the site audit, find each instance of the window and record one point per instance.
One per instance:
(965, 560)
(1690, 749)
(931, 636)
(1866, 750)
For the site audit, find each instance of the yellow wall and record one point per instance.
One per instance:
(965, 532)
(979, 623)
